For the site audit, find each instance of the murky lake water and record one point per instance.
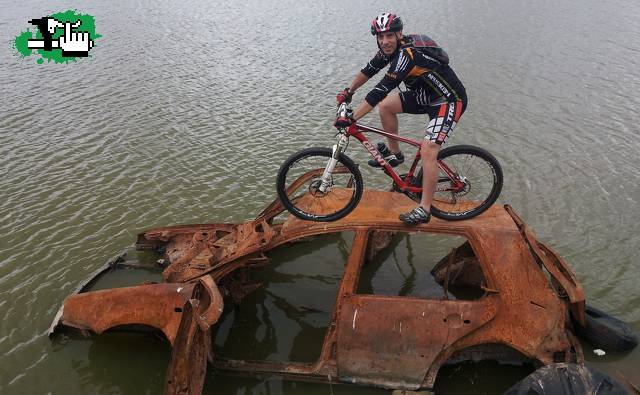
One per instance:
(185, 112)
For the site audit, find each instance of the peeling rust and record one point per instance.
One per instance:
(526, 291)
(157, 306)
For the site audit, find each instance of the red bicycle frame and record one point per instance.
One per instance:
(356, 130)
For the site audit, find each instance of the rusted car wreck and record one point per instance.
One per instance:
(529, 299)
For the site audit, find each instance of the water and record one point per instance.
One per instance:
(185, 112)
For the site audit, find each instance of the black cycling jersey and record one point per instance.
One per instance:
(422, 66)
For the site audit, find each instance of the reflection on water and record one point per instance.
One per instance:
(479, 377)
(286, 319)
(404, 267)
(185, 112)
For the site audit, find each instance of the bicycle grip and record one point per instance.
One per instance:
(343, 122)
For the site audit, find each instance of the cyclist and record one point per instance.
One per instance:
(432, 88)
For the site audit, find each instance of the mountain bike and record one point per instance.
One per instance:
(324, 184)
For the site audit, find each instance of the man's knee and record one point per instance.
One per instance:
(429, 149)
(390, 105)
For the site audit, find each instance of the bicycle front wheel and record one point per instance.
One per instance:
(298, 185)
(474, 187)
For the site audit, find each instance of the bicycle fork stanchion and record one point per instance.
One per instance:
(328, 171)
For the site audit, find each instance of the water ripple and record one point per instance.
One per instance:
(188, 122)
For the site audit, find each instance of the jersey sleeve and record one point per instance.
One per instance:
(399, 68)
(379, 62)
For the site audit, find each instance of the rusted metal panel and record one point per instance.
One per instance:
(392, 341)
(157, 305)
(556, 266)
(192, 347)
(188, 364)
(210, 303)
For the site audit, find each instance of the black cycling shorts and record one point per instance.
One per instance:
(443, 115)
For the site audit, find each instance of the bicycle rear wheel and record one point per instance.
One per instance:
(299, 179)
(475, 187)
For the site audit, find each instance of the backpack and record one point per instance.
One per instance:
(427, 46)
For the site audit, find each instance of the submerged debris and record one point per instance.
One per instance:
(566, 379)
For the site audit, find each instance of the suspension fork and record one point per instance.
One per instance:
(331, 165)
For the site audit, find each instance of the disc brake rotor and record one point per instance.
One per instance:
(314, 188)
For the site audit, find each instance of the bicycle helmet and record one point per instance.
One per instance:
(386, 22)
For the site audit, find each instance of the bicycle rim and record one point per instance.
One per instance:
(299, 181)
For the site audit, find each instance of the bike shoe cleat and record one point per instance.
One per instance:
(391, 158)
(416, 216)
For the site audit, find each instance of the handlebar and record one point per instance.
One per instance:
(342, 116)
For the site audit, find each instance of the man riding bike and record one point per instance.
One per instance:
(432, 88)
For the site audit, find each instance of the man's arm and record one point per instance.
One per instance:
(360, 80)
(362, 110)
(347, 94)
(398, 70)
(376, 64)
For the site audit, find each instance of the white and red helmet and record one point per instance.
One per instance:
(386, 22)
